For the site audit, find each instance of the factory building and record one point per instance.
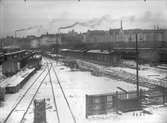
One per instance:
(119, 35)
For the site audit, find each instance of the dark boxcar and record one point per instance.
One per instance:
(10, 67)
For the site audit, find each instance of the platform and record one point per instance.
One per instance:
(17, 81)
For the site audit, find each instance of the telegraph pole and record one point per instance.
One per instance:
(137, 67)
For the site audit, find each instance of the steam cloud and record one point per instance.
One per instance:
(147, 20)
(29, 28)
(91, 23)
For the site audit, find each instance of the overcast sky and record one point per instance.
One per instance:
(95, 14)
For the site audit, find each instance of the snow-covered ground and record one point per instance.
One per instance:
(147, 71)
(76, 85)
(18, 77)
(12, 99)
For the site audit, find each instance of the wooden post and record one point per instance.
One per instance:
(39, 111)
(137, 67)
(86, 106)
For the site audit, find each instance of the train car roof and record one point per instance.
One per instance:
(71, 50)
(99, 51)
(12, 53)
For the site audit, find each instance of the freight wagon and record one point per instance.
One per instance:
(3, 85)
(16, 82)
(10, 67)
(12, 62)
(1, 57)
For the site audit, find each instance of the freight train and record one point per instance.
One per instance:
(32, 63)
(35, 61)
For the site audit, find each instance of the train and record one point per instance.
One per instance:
(15, 61)
(32, 63)
(35, 61)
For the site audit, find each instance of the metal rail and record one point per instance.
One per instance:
(34, 96)
(53, 94)
(64, 95)
(18, 102)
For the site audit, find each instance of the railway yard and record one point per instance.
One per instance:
(83, 61)
(65, 86)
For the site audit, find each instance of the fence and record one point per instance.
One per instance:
(121, 101)
(154, 97)
(105, 103)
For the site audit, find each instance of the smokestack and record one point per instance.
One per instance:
(121, 25)
(157, 27)
(154, 27)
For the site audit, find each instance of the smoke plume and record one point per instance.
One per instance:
(91, 23)
(29, 28)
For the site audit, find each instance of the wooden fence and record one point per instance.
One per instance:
(121, 101)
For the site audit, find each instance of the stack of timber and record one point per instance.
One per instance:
(120, 75)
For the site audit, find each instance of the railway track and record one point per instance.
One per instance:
(29, 95)
(62, 90)
(53, 94)
(22, 106)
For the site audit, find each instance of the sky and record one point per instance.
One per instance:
(36, 17)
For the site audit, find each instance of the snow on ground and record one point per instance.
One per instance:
(43, 93)
(90, 84)
(17, 78)
(149, 72)
(145, 70)
(76, 85)
(11, 99)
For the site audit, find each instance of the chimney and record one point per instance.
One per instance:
(121, 25)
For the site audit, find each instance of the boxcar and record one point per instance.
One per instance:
(10, 67)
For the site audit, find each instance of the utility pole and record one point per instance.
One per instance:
(137, 67)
